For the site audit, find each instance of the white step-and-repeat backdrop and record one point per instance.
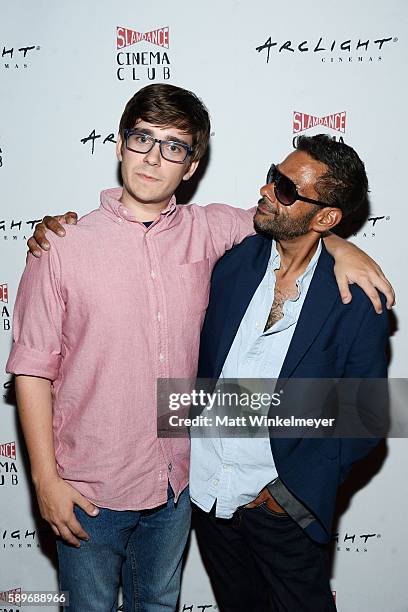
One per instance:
(267, 71)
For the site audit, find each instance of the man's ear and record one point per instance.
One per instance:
(119, 145)
(326, 219)
(190, 170)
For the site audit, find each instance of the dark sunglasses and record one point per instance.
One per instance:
(285, 189)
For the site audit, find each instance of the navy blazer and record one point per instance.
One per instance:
(331, 340)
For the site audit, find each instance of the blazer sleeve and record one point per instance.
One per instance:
(364, 389)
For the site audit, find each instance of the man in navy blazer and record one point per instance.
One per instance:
(264, 515)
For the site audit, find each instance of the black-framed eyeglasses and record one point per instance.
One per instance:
(285, 189)
(171, 150)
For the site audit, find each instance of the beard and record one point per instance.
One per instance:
(282, 227)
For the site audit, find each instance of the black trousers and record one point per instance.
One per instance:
(260, 561)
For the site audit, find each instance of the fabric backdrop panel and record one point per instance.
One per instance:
(268, 71)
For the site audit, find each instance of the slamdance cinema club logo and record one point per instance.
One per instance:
(5, 314)
(8, 467)
(142, 55)
(335, 124)
(6, 597)
(8, 449)
(4, 293)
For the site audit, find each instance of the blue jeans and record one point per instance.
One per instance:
(146, 547)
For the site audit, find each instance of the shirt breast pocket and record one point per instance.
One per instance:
(195, 284)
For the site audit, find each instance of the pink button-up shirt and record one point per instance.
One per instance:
(109, 309)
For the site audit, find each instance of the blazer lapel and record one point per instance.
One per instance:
(319, 301)
(250, 269)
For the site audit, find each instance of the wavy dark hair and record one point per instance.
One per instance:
(345, 184)
(167, 105)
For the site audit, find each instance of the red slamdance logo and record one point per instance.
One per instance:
(303, 122)
(8, 450)
(4, 293)
(5, 595)
(126, 37)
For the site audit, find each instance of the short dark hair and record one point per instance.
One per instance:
(345, 184)
(164, 104)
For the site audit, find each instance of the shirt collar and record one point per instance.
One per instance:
(291, 307)
(274, 262)
(111, 204)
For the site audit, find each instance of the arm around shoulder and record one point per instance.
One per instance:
(228, 225)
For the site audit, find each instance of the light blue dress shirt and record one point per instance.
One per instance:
(232, 471)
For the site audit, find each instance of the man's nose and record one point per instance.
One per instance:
(268, 191)
(153, 157)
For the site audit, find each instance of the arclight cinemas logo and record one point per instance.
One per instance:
(346, 49)
(8, 450)
(141, 63)
(16, 57)
(303, 122)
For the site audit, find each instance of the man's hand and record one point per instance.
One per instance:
(38, 241)
(352, 265)
(56, 499)
(265, 498)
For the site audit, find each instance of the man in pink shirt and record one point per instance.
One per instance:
(94, 328)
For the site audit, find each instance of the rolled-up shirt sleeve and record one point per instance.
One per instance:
(37, 319)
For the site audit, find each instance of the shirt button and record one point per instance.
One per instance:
(158, 316)
(120, 219)
(225, 468)
(170, 467)
(215, 482)
(152, 274)
(161, 357)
